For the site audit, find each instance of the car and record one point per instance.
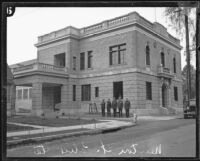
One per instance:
(190, 111)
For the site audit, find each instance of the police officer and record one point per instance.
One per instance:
(103, 105)
(114, 106)
(108, 107)
(127, 106)
(120, 106)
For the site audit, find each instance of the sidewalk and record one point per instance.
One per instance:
(104, 125)
(49, 133)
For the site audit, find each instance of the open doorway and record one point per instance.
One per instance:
(118, 89)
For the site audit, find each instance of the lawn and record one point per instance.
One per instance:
(52, 122)
(13, 128)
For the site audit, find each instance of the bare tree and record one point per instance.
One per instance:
(181, 21)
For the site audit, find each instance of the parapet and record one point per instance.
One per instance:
(124, 20)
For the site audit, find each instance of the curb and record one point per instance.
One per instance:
(32, 141)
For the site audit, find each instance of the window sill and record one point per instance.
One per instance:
(148, 67)
(90, 68)
(114, 65)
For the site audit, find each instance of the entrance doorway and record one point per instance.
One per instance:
(57, 97)
(118, 89)
(164, 95)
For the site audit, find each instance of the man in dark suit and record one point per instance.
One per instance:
(120, 106)
(114, 106)
(103, 106)
(127, 106)
(109, 107)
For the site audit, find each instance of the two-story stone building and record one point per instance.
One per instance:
(126, 56)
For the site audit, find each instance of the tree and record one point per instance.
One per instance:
(176, 19)
(181, 19)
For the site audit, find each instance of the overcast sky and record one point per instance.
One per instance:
(28, 23)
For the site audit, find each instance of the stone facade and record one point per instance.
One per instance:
(131, 30)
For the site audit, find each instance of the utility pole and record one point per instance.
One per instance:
(188, 56)
(198, 74)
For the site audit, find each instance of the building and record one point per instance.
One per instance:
(126, 56)
(10, 93)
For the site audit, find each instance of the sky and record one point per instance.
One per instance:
(24, 27)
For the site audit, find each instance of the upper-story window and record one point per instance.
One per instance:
(117, 54)
(59, 60)
(174, 64)
(147, 55)
(82, 61)
(89, 59)
(162, 56)
(74, 63)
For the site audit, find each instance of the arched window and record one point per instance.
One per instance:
(162, 55)
(147, 55)
(174, 64)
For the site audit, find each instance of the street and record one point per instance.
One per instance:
(166, 138)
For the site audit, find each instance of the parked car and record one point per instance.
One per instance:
(190, 111)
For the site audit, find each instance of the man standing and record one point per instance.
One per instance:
(114, 106)
(127, 106)
(108, 107)
(120, 106)
(103, 105)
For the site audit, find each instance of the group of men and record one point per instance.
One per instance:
(115, 105)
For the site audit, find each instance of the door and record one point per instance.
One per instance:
(118, 89)
(164, 95)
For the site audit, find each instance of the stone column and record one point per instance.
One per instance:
(64, 95)
(37, 99)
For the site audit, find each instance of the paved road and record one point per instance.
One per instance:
(171, 138)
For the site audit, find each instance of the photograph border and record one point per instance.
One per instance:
(6, 4)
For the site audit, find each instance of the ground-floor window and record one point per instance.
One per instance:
(96, 91)
(86, 92)
(74, 92)
(148, 91)
(25, 93)
(176, 93)
(19, 94)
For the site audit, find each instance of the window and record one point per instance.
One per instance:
(89, 59)
(74, 63)
(96, 91)
(86, 92)
(176, 93)
(19, 94)
(59, 60)
(162, 59)
(147, 55)
(30, 93)
(117, 54)
(25, 94)
(74, 92)
(148, 91)
(174, 64)
(82, 61)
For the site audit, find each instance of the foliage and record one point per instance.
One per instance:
(175, 16)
